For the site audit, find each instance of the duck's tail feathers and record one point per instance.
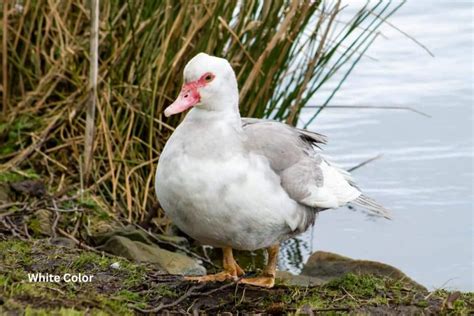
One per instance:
(372, 206)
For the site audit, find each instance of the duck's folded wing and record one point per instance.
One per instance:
(307, 177)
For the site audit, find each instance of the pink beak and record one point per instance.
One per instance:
(187, 98)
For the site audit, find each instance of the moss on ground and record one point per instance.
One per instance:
(18, 259)
(135, 288)
(14, 176)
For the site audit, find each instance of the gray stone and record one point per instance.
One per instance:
(289, 279)
(175, 240)
(129, 232)
(329, 266)
(135, 234)
(170, 262)
(63, 242)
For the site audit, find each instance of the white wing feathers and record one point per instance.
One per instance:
(336, 191)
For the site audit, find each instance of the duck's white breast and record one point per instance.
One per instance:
(225, 203)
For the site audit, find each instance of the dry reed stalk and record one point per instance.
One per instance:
(91, 104)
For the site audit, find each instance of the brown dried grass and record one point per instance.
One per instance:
(282, 52)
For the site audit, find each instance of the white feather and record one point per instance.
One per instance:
(336, 190)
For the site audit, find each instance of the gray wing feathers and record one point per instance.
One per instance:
(281, 144)
(297, 178)
(372, 206)
(308, 136)
(292, 155)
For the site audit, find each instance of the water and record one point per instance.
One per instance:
(426, 173)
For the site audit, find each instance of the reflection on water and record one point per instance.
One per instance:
(293, 252)
(426, 173)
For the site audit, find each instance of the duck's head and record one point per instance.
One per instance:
(209, 84)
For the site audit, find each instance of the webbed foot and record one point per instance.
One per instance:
(231, 270)
(262, 281)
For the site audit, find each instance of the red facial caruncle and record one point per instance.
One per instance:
(189, 95)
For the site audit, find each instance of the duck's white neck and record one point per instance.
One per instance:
(231, 115)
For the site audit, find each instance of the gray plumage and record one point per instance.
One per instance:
(292, 156)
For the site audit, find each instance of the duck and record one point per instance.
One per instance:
(243, 183)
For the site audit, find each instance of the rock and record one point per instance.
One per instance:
(129, 232)
(289, 279)
(328, 266)
(139, 235)
(137, 245)
(176, 240)
(170, 262)
(63, 242)
(34, 188)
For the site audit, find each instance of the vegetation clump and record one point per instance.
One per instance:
(143, 47)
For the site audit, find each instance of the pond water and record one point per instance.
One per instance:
(426, 172)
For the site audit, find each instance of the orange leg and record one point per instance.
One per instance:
(231, 270)
(267, 279)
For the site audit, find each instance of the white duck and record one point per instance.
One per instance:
(240, 183)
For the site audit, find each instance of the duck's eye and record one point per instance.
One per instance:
(208, 78)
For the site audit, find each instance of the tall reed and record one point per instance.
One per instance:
(283, 52)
